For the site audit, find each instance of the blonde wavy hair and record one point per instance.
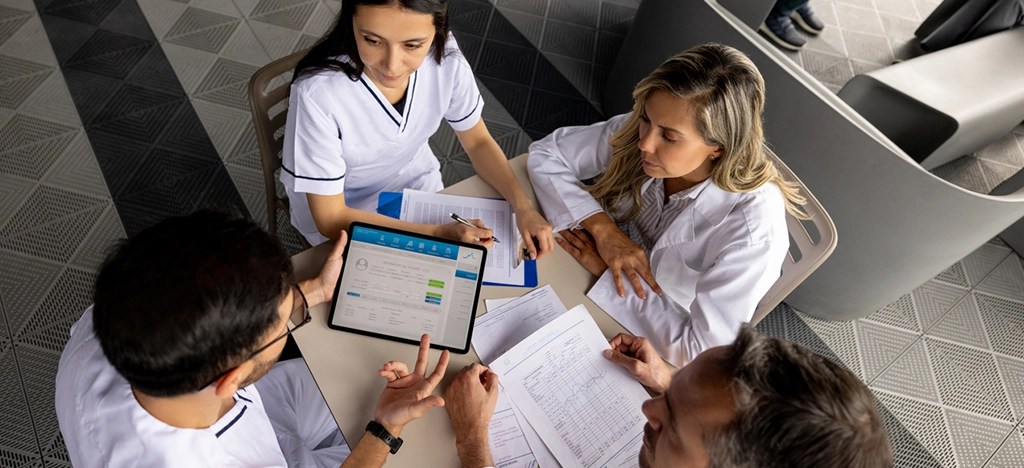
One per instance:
(726, 93)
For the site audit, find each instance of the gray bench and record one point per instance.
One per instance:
(943, 105)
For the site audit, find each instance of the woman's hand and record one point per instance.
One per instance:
(623, 256)
(581, 246)
(408, 395)
(457, 231)
(533, 226)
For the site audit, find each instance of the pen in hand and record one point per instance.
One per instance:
(467, 223)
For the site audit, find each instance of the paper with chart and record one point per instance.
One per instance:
(509, 446)
(500, 329)
(584, 407)
(497, 331)
(434, 208)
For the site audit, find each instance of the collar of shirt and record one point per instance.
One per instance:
(713, 203)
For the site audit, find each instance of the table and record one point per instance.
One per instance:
(345, 365)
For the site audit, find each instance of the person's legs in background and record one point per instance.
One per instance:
(305, 428)
(780, 25)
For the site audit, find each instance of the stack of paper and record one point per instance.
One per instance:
(561, 402)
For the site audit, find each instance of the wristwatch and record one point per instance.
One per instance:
(375, 428)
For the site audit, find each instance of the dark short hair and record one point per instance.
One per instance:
(187, 299)
(341, 39)
(796, 409)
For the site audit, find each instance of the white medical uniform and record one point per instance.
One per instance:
(715, 260)
(344, 135)
(104, 425)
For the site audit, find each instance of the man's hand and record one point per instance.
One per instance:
(582, 247)
(321, 288)
(471, 398)
(455, 230)
(533, 226)
(408, 395)
(641, 359)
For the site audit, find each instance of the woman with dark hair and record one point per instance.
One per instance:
(364, 101)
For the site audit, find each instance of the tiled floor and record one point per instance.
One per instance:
(115, 113)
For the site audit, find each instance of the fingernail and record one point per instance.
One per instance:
(608, 353)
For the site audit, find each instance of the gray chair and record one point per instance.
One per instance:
(943, 105)
(269, 121)
(900, 225)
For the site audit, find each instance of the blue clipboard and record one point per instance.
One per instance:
(390, 204)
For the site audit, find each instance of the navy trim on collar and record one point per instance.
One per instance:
(408, 104)
(310, 178)
(233, 421)
(242, 397)
(382, 106)
(478, 99)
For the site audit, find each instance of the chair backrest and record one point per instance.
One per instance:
(811, 241)
(270, 128)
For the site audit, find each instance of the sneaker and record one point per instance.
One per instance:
(807, 20)
(782, 32)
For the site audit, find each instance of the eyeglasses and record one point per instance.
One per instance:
(298, 317)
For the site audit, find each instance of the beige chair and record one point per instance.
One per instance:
(810, 243)
(270, 128)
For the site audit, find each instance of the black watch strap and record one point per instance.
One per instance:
(375, 428)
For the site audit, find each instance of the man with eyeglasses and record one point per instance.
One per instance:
(175, 364)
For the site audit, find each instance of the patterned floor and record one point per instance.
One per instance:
(116, 113)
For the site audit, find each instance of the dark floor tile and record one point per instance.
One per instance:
(110, 54)
(470, 16)
(581, 12)
(569, 39)
(66, 36)
(118, 158)
(184, 134)
(154, 72)
(549, 111)
(136, 112)
(84, 11)
(616, 19)
(514, 97)
(470, 46)
(548, 78)
(128, 19)
(536, 7)
(501, 29)
(506, 62)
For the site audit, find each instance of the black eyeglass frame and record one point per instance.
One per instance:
(308, 318)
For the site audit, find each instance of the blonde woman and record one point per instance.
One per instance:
(686, 204)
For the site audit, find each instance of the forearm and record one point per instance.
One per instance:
(474, 453)
(369, 452)
(489, 162)
(600, 225)
(331, 220)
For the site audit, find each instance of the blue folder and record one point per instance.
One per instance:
(390, 204)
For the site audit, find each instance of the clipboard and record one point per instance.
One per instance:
(390, 204)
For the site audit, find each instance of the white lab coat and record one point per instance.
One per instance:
(714, 262)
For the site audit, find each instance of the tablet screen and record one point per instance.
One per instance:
(400, 285)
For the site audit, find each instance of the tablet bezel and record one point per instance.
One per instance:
(344, 268)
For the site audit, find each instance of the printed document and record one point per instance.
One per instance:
(502, 260)
(505, 324)
(585, 408)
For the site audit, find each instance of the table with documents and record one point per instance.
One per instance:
(345, 365)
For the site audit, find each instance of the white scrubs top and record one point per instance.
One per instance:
(104, 425)
(715, 261)
(343, 136)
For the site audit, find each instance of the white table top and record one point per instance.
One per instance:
(345, 365)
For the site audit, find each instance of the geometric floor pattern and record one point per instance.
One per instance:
(945, 362)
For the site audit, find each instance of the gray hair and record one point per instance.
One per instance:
(795, 409)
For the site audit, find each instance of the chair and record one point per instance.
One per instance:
(261, 103)
(810, 243)
(901, 224)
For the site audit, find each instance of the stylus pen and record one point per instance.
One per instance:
(467, 223)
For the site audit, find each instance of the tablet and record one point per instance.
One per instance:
(398, 285)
